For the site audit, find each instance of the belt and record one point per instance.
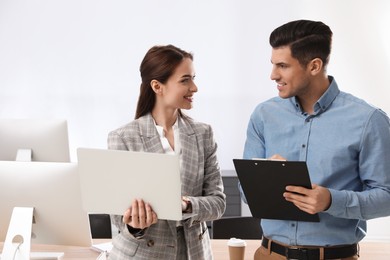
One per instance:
(311, 253)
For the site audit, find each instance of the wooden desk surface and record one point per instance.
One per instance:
(368, 250)
(70, 252)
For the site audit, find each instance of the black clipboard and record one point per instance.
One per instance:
(264, 182)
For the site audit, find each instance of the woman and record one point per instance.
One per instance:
(167, 87)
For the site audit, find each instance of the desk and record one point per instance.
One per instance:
(368, 250)
(70, 252)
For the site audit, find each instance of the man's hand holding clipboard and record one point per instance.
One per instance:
(280, 189)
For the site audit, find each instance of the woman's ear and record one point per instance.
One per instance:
(316, 66)
(156, 86)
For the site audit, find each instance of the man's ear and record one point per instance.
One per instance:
(316, 66)
(156, 86)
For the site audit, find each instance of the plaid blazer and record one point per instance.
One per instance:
(201, 182)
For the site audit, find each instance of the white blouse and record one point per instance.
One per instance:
(164, 141)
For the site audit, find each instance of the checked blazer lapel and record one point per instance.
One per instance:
(189, 155)
(149, 135)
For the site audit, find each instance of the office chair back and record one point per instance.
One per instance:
(238, 227)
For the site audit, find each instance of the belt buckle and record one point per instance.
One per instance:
(287, 252)
(303, 253)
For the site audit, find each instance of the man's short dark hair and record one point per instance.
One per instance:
(307, 40)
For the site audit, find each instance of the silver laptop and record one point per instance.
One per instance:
(111, 179)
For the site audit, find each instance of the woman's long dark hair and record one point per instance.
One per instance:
(158, 64)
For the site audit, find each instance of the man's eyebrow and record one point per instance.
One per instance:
(279, 63)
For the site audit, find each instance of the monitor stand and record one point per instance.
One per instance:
(17, 244)
(24, 155)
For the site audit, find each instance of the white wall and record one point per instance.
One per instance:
(79, 59)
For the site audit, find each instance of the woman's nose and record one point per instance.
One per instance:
(194, 88)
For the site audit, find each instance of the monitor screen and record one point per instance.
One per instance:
(53, 189)
(47, 139)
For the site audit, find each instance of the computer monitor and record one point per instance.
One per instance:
(47, 139)
(53, 189)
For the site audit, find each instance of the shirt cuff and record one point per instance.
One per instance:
(136, 232)
(338, 203)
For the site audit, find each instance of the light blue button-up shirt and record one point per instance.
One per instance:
(346, 144)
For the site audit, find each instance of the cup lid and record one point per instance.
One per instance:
(236, 242)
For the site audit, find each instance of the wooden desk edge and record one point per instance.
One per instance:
(368, 250)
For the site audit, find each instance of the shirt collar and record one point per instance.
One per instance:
(160, 129)
(325, 100)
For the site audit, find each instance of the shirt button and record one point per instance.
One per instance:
(150, 243)
(293, 225)
(304, 145)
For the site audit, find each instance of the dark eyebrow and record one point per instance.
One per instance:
(188, 76)
(280, 64)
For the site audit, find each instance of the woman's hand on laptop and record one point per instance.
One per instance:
(139, 215)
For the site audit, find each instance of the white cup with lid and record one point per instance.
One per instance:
(236, 248)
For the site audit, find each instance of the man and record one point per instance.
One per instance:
(344, 141)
